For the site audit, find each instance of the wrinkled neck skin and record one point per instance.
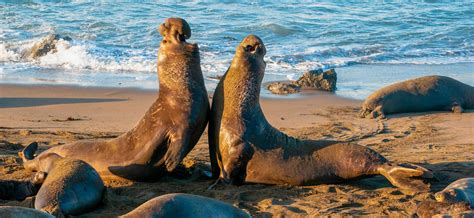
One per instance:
(242, 103)
(179, 69)
(242, 87)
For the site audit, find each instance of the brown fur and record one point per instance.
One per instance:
(429, 93)
(245, 147)
(185, 205)
(169, 129)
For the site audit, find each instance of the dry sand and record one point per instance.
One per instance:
(55, 115)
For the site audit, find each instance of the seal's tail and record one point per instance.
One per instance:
(402, 176)
(28, 153)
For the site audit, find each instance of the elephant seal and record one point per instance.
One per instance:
(22, 212)
(169, 129)
(428, 93)
(244, 147)
(185, 205)
(69, 186)
(461, 190)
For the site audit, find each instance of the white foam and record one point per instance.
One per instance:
(77, 57)
(6, 54)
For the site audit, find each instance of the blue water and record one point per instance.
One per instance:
(115, 44)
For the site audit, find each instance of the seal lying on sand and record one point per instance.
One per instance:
(428, 93)
(69, 186)
(170, 128)
(461, 190)
(22, 212)
(245, 147)
(185, 205)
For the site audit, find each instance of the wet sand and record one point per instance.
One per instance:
(55, 115)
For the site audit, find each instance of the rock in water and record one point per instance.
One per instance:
(45, 46)
(317, 79)
(313, 79)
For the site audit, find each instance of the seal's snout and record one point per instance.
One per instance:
(253, 44)
(175, 30)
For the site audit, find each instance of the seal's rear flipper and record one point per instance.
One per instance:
(400, 175)
(28, 153)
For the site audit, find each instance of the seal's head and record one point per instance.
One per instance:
(251, 47)
(450, 196)
(248, 61)
(175, 31)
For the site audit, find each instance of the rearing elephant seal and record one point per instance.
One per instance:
(428, 93)
(185, 205)
(461, 190)
(169, 129)
(245, 147)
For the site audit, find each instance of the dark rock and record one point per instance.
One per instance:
(313, 79)
(46, 45)
(281, 88)
(317, 79)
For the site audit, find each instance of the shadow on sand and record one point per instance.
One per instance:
(33, 102)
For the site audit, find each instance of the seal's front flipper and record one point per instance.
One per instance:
(177, 149)
(377, 113)
(28, 153)
(401, 176)
(456, 108)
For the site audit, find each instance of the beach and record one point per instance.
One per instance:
(54, 115)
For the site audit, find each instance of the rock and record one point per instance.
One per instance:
(46, 45)
(313, 79)
(317, 79)
(283, 88)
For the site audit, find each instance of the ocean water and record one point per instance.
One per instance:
(371, 44)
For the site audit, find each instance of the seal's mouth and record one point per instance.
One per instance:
(252, 48)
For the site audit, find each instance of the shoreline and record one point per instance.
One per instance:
(354, 81)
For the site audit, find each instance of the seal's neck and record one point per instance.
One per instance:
(179, 73)
(242, 85)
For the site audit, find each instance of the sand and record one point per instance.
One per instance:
(55, 115)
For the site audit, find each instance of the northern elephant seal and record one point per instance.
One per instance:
(245, 147)
(22, 212)
(428, 93)
(169, 129)
(461, 190)
(69, 186)
(185, 205)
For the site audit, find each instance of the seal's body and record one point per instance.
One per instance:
(245, 147)
(428, 93)
(169, 129)
(185, 205)
(461, 190)
(69, 186)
